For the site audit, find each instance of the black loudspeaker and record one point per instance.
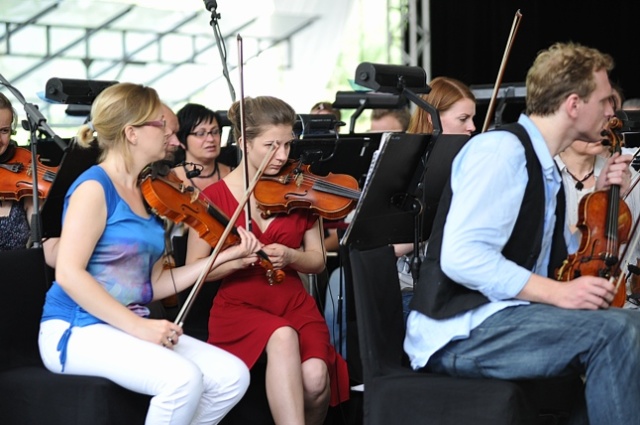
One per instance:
(79, 92)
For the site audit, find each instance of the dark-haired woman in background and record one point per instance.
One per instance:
(200, 135)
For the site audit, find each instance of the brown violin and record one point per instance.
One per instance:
(16, 179)
(604, 220)
(332, 196)
(169, 197)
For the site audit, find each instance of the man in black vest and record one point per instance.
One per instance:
(485, 305)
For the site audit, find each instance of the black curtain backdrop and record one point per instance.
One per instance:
(468, 39)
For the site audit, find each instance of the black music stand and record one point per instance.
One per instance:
(388, 206)
(75, 161)
(401, 186)
(349, 154)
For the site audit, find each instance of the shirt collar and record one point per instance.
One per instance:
(548, 164)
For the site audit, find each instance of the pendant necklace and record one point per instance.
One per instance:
(580, 183)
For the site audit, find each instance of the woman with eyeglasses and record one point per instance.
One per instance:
(14, 216)
(109, 267)
(200, 134)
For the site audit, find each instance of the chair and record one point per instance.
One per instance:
(394, 393)
(30, 393)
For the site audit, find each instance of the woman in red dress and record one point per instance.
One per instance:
(249, 317)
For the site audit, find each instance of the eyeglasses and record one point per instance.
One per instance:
(201, 133)
(156, 123)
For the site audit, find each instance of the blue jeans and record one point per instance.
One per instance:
(406, 299)
(539, 341)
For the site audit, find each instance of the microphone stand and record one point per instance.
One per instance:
(35, 120)
(212, 7)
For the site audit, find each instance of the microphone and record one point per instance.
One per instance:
(195, 172)
(211, 5)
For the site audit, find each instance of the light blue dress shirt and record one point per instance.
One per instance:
(488, 179)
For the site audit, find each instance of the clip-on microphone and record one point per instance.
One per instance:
(195, 172)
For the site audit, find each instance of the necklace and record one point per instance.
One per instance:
(215, 170)
(580, 183)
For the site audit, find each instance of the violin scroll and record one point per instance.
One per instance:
(612, 134)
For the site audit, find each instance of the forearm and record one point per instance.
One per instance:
(178, 279)
(310, 262)
(400, 249)
(539, 289)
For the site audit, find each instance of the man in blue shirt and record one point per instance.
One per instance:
(485, 305)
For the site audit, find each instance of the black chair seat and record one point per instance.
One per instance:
(33, 395)
(394, 393)
(29, 393)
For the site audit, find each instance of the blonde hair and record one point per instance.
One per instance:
(445, 91)
(260, 112)
(115, 108)
(561, 70)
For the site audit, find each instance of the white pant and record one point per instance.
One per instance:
(195, 383)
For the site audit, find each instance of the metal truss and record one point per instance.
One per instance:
(409, 33)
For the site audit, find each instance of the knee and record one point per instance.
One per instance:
(283, 341)
(315, 380)
(624, 327)
(237, 376)
(184, 377)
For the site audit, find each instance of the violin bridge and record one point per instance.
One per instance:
(195, 195)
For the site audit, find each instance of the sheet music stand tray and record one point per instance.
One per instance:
(75, 161)
(349, 154)
(388, 206)
(386, 213)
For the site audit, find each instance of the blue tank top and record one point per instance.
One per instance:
(122, 260)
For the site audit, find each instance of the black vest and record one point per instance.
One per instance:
(439, 297)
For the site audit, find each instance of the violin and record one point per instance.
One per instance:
(332, 196)
(604, 220)
(17, 176)
(169, 197)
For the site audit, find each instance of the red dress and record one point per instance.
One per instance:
(247, 310)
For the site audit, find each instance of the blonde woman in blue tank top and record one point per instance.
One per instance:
(109, 267)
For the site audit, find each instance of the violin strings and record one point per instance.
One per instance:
(612, 230)
(332, 187)
(338, 190)
(42, 172)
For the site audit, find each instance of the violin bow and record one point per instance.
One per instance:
(496, 88)
(247, 211)
(182, 314)
(630, 247)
